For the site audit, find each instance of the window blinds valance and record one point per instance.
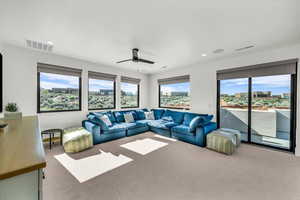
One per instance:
(130, 80)
(266, 69)
(102, 76)
(176, 79)
(47, 68)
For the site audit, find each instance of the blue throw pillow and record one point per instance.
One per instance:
(140, 114)
(109, 115)
(119, 116)
(158, 113)
(205, 119)
(194, 123)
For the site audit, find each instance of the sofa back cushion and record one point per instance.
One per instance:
(176, 116)
(158, 113)
(119, 115)
(99, 121)
(204, 118)
(140, 114)
(109, 114)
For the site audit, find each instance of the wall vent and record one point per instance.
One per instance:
(42, 46)
(244, 48)
(218, 51)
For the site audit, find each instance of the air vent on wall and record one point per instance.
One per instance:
(218, 51)
(48, 46)
(244, 48)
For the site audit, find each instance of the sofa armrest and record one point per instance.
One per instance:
(91, 127)
(202, 131)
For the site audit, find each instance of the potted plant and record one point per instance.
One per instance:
(12, 111)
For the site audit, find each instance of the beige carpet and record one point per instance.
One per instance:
(179, 171)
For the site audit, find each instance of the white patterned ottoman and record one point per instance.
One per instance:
(77, 139)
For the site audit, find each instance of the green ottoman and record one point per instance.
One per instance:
(77, 139)
(221, 143)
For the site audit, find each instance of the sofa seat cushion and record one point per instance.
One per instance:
(144, 122)
(158, 124)
(115, 128)
(183, 129)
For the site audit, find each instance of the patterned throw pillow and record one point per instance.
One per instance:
(149, 115)
(128, 117)
(106, 120)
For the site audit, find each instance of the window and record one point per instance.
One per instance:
(59, 89)
(174, 93)
(259, 102)
(101, 91)
(130, 90)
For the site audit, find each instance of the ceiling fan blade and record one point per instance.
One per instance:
(124, 61)
(146, 61)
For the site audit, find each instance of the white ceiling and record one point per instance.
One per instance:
(171, 32)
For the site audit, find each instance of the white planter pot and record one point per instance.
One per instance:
(12, 115)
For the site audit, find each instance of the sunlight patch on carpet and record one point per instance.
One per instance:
(87, 168)
(144, 146)
(165, 138)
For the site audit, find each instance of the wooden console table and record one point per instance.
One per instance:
(22, 159)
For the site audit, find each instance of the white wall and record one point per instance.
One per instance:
(20, 83)
(204, 84)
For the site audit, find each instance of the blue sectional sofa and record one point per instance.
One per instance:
(184, 126)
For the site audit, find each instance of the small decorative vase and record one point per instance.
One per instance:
(12, 115)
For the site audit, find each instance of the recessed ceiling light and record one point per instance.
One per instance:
(203, 54)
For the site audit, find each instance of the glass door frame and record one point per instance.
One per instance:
(292, 113)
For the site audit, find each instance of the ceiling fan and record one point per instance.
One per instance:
(135, 58)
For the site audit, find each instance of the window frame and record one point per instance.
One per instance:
(54, 111)
(159, 101)
(114, 87)
(138, 96)
(1, 83)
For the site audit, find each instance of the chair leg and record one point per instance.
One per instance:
(50, 140)
(61, 137)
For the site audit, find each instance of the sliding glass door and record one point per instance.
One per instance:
(259, 101)
(271, 110)
(234, 105)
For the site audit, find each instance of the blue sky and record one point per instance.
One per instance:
(49, 81)
(129, 88)
(276, 84)
(178, 87)
(96, 85)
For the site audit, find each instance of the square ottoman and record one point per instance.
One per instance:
(221, 143)
(77, 139)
